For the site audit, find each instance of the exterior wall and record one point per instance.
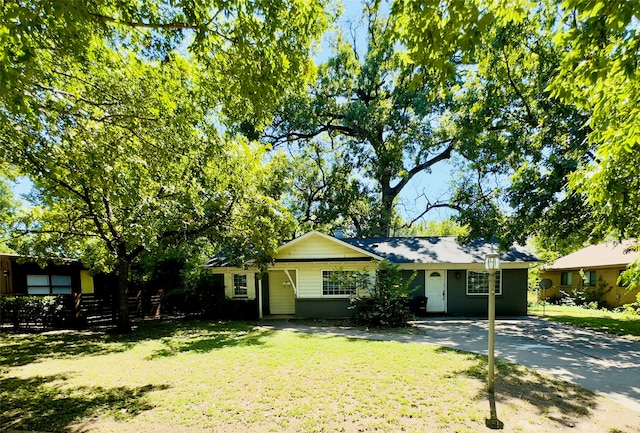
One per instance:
(19, 272)
(309, 284)
(86, 282)
(615, 297)
(6, 275)
(323, 308)
(227, 275)
(314, 304)
(317, 247)
(310, 302)
(305, 262)
(417, 285)
(512, 301)
(265, 294)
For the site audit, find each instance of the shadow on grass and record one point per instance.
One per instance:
(46, 404)
(22, 349)
(177, 336)
(625, 327)
(549, 395)
(202, 337)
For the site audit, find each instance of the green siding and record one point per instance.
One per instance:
(417, 285)
(265, 293)
(512, 302)
(323, 307)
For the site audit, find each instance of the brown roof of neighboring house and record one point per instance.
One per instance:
(613, 253)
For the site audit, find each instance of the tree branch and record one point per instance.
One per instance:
(445, 154)
(430, 207)
(516, 89)
(164, 26)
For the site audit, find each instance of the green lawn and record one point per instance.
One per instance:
(234, 377)
(624, 324)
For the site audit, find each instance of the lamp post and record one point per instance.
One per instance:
(491, 264)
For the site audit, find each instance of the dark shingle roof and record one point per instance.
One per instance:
(437, 249)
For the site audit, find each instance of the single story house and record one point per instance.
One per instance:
(449, 274)
(594, 267)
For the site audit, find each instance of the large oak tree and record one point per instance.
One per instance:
(377, 118)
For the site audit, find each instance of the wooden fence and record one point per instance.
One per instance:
(78, 310)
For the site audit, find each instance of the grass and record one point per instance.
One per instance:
(623, 324)
(197, 376)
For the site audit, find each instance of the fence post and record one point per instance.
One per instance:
(77, 304)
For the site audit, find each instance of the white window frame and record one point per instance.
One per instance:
(482, 286)
(239, 290)
(326, 277)
(39, 284)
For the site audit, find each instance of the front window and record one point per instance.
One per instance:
(339, 283)
(566, 279)
(478, 283)
(49, 284)
(240, 285)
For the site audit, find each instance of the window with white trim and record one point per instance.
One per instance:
(49, 284)
(339, 283)
(478, 283)
(240, 285)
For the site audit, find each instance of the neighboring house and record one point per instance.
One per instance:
(19, 276)
(449, 274)
(596, 267)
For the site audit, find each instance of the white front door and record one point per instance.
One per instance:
(435, 291)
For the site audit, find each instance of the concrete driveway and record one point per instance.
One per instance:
(599, 362)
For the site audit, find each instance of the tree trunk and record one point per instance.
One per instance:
(123, 324)
(386, 207)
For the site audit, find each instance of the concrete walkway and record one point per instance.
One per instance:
(599, 362)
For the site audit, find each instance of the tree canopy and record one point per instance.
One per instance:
(8, 208)
(377, 118)
(250, 53)
(115, 111)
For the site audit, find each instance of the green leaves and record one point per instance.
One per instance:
(599, 73)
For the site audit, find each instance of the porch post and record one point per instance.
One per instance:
(260, 296)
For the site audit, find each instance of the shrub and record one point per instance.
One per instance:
(45, 311)
(631, 311)
(195, 296)
(388, 302)
(202, 295)
(587, 297)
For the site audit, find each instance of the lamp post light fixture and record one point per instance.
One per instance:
(491, 264)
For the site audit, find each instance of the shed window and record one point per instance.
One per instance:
(566, 279)
(478, 283)
(435, 275)
(49, 284)
(240, 285)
